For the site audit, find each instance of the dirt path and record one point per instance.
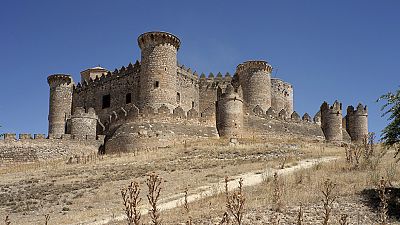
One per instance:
(249, 179)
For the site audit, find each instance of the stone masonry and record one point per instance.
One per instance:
(157, 102)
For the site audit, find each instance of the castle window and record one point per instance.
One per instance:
(192, 104)
(178, 97)
(128, 98)
(156, 84)
(106, 101)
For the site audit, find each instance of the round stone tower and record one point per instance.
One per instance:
(83, 124)
(230, 112)
(158, 69)
(278, 98)
(357, 122)
(331, 121)
(255, 79)
(61, 88)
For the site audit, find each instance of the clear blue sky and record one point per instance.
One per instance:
(346, 50)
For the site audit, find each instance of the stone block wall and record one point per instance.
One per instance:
(14, 150)
(187, 88)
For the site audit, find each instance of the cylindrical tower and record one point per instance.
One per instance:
(357, 123)
(255, 79)
(230, 112)
(158, 69)
(61, 88)
(83, 124)
(288, 96)
(278, 98)
(331, 121)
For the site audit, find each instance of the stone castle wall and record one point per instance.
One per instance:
(188, 89)
(208, 95)
(118, 85)
(37, 148)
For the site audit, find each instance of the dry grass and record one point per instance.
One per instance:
(81, 192)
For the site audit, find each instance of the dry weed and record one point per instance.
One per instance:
(277, 195)
(7, 220)
(328, 197)
(300, 215)
(131, 200)
(235, 203)
(153, 184)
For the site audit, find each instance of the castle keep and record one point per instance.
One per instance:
(157, 102)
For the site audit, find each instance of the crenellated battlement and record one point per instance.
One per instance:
(230, 93)
(131, 113)
(254, 65)
(334, 109)
(213, 81)
(56, 80)
(158, 38)
(359, 111)
(130, 70)
(188, 73)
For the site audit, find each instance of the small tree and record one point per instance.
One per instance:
(391, 133)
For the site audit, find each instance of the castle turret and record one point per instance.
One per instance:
(230, 112)
(331, 121)
(83, 124)
(158, 70)
(357, 122)
(61, 88)
(255, 79)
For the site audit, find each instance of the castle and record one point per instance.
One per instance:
(157, 102)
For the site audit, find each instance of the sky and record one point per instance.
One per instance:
(344, 49)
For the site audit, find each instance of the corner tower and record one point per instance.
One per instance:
(357, 122)
(230, 112)
(255, 79)
(61, 88)
(158, 69)
(331, 121)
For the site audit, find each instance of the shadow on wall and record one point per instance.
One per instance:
(371, 197)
